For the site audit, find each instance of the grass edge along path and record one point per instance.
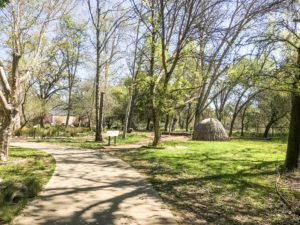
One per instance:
(23, 177)
(216, 182)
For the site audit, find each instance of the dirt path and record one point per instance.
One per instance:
(89, 187)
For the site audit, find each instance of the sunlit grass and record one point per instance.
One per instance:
(88, 142)
(216, 182)
(26, 172)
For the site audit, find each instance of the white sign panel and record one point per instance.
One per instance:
(113, 133)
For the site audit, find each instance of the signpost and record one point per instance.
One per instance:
(112, 133)
(34, 131)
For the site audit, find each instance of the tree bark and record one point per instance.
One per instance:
(181, 122)
(232, 124)
(5, 133)
(101, 117)
(188, 118)
(16, 88)
(148, 124)
(42, 121)
(196, 122)
(69, 106)
(267, 128)
(293, 149)
(174, 122)
(167, 123)
(242, 129)
(127, 115)
(97, 91)
(242, 122)
(97, 106)
(130, 124)
(98, 136)
(156, 127)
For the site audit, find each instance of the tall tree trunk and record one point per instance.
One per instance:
(242, 129)
(101, 117)
(16, 88)
(174, 122)
(167, 122)
(181, 122)
(69, 106)
(242, 121)
(148, 124)
(97, 87)
(42, 122)
(293, 149)
(197, 118)
(188, 118)
(130, 123)
(127, 115)
(232, 124)
(187, 125)
(156, 127)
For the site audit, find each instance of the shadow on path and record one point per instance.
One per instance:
(93, 188)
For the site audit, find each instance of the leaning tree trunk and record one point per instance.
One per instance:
(130, 123)
(127, 115)
(267, 129)
(232, 124)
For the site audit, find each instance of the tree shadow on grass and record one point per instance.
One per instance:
(214, 195)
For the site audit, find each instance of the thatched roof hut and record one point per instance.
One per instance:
(210, 130)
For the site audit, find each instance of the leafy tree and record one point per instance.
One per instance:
(25, 24)
(282, 34)
(70, 44)
(3, 3)
(273, 107)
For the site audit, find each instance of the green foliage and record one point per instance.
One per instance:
(3, 3)
(274, 106)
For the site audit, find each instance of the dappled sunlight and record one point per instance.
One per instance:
(216, 182)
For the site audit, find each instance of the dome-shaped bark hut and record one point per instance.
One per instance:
(210, 130)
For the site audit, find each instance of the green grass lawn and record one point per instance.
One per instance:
(216, 182)
(25, 173)
(87, 142)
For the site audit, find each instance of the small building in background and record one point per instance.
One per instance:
(58, 117)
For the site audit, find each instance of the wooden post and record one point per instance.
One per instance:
(108, 140)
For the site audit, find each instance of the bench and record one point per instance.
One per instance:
(112, 133)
